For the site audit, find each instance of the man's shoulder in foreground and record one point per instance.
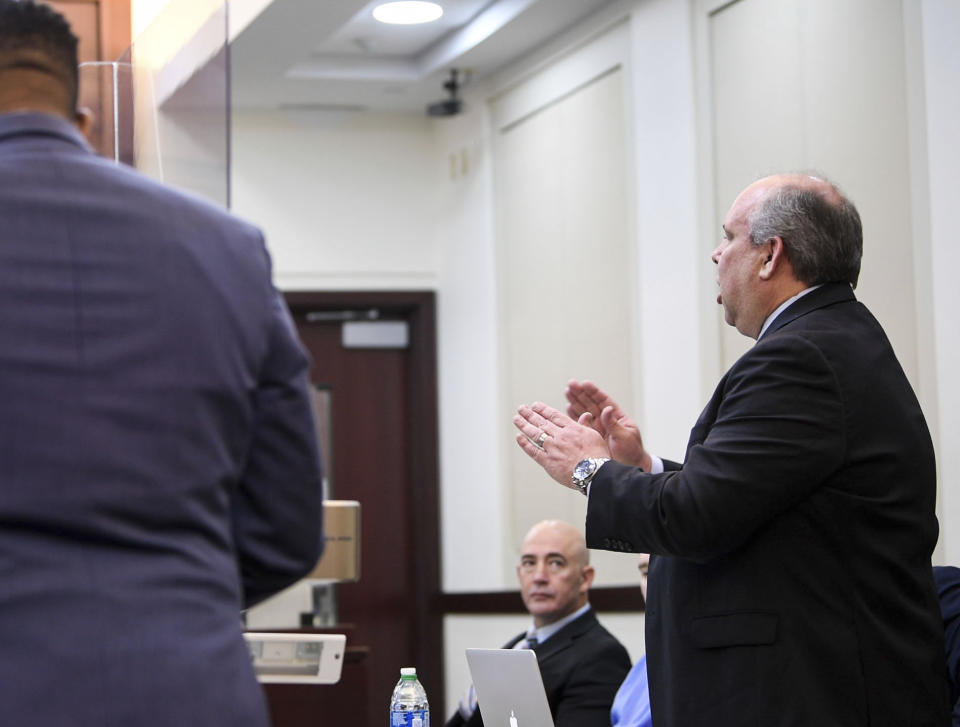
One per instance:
(24, 136)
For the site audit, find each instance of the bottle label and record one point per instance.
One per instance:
(412, 718)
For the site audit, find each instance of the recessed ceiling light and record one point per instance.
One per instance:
(409, 12)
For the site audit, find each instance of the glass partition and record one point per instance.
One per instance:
(164, 106)
(105, 89)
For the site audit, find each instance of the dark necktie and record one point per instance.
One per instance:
(532, 642)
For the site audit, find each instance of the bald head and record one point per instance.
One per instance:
(565, 537)
(810, 182)
(554, 572)
(38, 60)
(820, 228)
(783, 234)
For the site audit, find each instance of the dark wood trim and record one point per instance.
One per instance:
(419, 309)
(608, 599)
(116, 31)
(115, 27)
(112, 38)
(424, 433)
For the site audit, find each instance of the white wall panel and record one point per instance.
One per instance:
(941, 62)
(346, 201)
(473, 528)
(821, 85)
(567, 303)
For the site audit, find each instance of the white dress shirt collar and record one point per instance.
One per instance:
(783, 306)
(545, 632)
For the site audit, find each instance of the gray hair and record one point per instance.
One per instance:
(820, 229)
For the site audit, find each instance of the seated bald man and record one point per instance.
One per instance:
(581, 663)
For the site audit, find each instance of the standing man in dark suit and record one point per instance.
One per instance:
(581, 663)
(158, 462)
(791, 580)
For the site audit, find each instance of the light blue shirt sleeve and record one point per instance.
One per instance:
(631, 706)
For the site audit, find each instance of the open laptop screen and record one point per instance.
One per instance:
(509, 688)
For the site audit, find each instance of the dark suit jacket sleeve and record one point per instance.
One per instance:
(772, 432)
(277, 505)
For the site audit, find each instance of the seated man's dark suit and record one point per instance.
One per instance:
(947, 578)
(158, 461)
(792, 583)
(582, 666)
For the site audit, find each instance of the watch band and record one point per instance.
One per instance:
(585, 471)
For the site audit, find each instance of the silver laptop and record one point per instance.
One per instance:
(509, 688)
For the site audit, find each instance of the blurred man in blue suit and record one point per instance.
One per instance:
(158, 462)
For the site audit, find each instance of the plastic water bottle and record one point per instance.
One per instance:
(408, 705)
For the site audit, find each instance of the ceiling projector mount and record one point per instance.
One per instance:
(452, 105)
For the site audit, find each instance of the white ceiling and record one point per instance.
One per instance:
(332, 54)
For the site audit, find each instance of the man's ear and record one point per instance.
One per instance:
(775, 257)
(83, 118)
(587, 575)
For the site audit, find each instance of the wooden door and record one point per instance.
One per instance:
(103, 28)
(383, 429)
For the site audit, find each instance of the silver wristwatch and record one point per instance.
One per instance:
(585, 470)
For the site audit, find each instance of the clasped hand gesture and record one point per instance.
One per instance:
(594, 426)
(593, 407)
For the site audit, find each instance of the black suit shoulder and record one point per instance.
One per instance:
(582, 666)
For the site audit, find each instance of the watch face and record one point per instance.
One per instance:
(584, 469)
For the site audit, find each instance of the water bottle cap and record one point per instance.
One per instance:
(410, 672)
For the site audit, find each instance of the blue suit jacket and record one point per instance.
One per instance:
(792, 583)
(158, 465)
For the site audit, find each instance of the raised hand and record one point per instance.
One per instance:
(555, 441)
(591, 406)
